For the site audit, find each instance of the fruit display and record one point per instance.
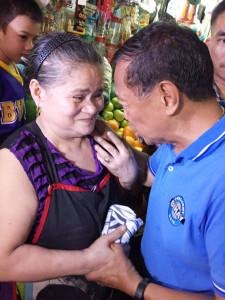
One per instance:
(113, 114)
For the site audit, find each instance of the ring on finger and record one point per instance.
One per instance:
(108, 159)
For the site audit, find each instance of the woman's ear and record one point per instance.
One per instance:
(170, 97)
(208, 42)
(36, 92)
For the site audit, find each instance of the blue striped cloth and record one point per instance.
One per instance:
(122, 215)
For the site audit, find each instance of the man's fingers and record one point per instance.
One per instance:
(116, 234)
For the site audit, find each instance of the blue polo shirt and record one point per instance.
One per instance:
(184, 239)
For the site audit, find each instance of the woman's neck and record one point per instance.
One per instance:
(77, 150)
(62, 143)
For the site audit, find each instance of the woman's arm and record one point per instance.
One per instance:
(18, 210)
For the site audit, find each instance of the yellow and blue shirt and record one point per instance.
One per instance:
(12, 100)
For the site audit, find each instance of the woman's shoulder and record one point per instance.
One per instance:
(24, 145)
(21, 136)
(17, 145)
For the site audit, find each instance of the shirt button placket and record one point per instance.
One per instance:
(170, 168)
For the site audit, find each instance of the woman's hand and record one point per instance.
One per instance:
(115, 154)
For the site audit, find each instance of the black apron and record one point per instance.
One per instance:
(73, 218)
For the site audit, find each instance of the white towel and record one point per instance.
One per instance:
(122, 215)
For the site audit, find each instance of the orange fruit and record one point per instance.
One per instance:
(113, 124)
(127, 131)
(139, 144)
(138, 148)
(130, 140)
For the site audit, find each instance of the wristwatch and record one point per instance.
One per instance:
(141, 288)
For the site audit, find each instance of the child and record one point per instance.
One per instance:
(20, 22)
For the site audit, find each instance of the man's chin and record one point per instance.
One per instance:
(147, 142)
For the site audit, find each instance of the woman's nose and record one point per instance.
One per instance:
(90, 107)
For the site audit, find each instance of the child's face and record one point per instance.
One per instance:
(17, 41)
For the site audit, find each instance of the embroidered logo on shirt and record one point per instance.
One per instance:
(176, 211)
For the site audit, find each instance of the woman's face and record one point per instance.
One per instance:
(69, 109)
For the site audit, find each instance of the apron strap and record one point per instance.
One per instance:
(48, 161)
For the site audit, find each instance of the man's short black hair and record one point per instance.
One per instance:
(168, 51)
(10, 9)
(218, 10)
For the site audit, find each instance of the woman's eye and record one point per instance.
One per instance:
(99, 96)
(78, 98)
(23, 37)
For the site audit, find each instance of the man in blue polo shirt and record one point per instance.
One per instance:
(164, 80)
(216, 47)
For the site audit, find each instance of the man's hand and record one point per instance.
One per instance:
(100, 252)
(117, 273)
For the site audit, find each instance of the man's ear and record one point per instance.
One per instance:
(170, 97)
(36, 92)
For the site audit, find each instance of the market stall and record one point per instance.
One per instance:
(109, 23)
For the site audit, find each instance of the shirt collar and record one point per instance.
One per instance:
(218, 97)
(206, 143)
(15, 73)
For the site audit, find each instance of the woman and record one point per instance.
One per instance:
(55, 194)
